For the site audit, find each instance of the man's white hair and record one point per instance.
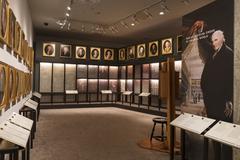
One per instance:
(219, 33)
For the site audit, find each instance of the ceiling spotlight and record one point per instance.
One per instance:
(67, 14)
(68, 8)
(161, 13)
(132, 24)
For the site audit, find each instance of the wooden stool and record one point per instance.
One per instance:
(162, 121)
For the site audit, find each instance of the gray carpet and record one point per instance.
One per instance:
(93, 134)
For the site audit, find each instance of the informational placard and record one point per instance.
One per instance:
(106, 91)
(225, 132)
(193, 123)
(71, 92)
(14, 134)
(30, 105)
(33, 102)
(127, 93)
(21, 121)
(37, 95)
(144, 94)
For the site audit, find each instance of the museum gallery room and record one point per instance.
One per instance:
(119, 80)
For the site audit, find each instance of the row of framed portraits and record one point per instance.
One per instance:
(13, 36)
(13, 85)
(153, 49)
(49, 50)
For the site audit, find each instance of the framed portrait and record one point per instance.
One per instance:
(141, 51)
(12, 84)
(4, 16)
(179, 43)
(17, 46)
(121, 54)
(153, 49)
(11, 29)
(49, 49)
(131, 52)
(95, 53)
(22, 43)
(167, 46)
(65, 51)
(3, 85)
(108, 54)
(80, 52)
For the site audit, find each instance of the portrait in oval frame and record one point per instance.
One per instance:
(122, 54)
(141, 51)
(95, 53)
(153, 49)
(131, 52)
(65, 51)
(167, 46)
(108, 54)
(49, 49)
(80, 52)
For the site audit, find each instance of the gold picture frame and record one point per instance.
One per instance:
(141, 51)
(179, 43)
(24, 49)
(11, 29)
(17, 44)
(153, 49)
(13, 92)
(167, 46)
(19, 84)
(22, 44)
(65, 51)
(12, 84)
(131, 52)
(108, 54)
(49, 49)
(95, 53)
(80, 52)
(4, 87)
(4, 19)
(122, 54)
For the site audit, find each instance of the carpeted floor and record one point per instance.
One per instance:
(93, 134)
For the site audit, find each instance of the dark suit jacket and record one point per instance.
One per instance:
(217, 83)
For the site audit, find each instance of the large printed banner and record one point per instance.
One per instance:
(207, 61)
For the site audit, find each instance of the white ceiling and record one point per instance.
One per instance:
(109, 12)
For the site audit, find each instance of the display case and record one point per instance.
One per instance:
(46, 77)
(113, 72)
(92, 71)
(137, 72)
(103, 72)
(122, 85)
(154, 69)
(154, 87)
(137, 90)
(123, 72)
(82, 90)
(82, 71)
(113, 85)
(145, 71)
(58, 78)
(130, 72)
